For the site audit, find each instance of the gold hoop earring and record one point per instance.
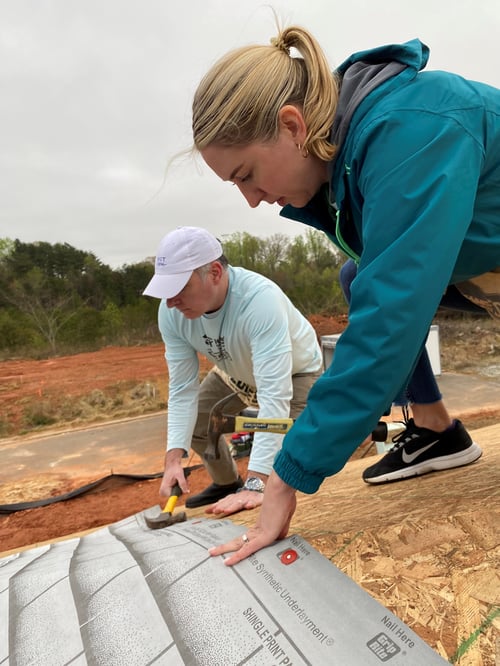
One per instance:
(303, 150)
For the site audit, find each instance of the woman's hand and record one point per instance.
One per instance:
(277, 509)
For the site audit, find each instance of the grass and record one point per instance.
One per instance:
(467, 345)
(120, 400)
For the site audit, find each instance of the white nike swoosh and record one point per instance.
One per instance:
(410, 457)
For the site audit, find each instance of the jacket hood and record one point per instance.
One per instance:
(411, 54)
(364, 71)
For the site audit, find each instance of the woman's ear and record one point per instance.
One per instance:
(292, 121)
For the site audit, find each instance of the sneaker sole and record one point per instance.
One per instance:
(465, 457)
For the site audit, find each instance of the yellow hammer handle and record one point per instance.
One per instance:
(175, 493)
(256, 424)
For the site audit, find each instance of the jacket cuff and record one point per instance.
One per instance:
(296, 477)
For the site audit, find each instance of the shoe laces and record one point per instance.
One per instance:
(405, 435)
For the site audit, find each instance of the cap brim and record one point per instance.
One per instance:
(167, 286)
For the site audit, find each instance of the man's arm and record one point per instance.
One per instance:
(183, 389)
(271, 352)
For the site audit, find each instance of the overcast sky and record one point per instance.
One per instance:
(96, 96)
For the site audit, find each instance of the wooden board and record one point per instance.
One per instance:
(428, 549)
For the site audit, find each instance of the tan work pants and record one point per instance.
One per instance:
(212, 389)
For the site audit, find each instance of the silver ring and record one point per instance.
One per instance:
(245, 538)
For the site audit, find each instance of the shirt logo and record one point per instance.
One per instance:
(216, 348)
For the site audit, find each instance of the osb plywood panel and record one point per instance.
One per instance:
(426, 548)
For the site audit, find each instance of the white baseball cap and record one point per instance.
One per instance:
(179, 254)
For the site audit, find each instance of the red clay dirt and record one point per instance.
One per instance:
(76, 376)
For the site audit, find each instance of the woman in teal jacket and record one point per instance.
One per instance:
(401, 168)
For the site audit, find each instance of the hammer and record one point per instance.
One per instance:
(165, 517)
(220, 423)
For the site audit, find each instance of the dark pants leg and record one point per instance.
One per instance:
(422, 387)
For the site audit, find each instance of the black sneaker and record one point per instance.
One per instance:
(419, 451)
(213, 494)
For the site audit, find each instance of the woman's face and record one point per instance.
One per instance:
(273, 172)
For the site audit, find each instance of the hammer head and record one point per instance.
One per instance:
(218, 424)
(158, 518)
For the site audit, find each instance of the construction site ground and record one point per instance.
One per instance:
(428, 549)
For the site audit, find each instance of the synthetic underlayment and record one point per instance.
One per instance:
(128, 595)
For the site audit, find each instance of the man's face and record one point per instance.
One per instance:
(196, 297)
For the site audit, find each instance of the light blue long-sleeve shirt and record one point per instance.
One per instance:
(257, 337)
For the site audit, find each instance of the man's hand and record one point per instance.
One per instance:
(246, 499)
(278, 507)
(173, 473)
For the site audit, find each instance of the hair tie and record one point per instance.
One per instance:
(279, 43)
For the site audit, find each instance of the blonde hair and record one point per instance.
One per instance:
(239, 99)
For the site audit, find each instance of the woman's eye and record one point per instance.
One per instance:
(242, 179)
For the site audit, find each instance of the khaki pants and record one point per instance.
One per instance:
(213, 388)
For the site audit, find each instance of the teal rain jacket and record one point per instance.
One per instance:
(416, 181)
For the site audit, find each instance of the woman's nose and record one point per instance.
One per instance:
(253, 195)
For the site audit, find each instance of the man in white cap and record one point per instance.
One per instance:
(261, 346)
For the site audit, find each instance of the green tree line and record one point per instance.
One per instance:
(56, 299)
